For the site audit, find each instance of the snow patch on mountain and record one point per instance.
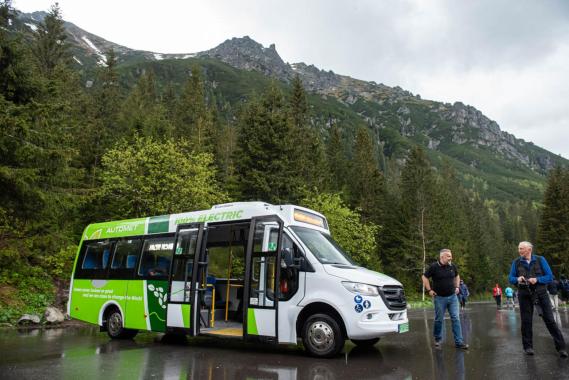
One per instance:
(102, 58)
(32, 26)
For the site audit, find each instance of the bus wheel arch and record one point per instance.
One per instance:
(324, 319)
(113, 323)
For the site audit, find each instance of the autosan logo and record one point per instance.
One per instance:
(127, 227)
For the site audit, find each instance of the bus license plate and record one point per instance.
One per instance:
(404, 327)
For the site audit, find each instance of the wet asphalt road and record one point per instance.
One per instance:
(494, 337)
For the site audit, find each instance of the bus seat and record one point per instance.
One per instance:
(164, 263)
(130, 261)
(162, 267)
(208, 293)
(90, 261)
(106, 254)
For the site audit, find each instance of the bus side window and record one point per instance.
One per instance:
(95, 260)
(156, 257)
(125, 258)
(289, 275)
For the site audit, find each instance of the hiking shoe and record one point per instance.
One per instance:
(529, 351)
(438, 343)
(563, 354)
(462, 346)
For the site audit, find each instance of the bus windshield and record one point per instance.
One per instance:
(326, 250)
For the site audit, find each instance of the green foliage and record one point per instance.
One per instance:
(346, 226)
(25, 290)
(553, 232)
(50, 47)
(337, 160)
(367, 185)
(60, 264)
(195, 121)
(143, 113)
(147, 177)
(265, 150)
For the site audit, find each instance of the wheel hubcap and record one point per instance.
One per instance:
(321, 336)
(115, 323)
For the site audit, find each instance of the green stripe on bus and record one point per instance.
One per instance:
(158, 224)
(251, 322)
(186, 310)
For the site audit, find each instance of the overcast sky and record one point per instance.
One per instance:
(509, 59)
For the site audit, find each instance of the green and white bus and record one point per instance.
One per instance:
(249, 270)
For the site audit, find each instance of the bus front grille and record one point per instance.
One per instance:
(393, 296)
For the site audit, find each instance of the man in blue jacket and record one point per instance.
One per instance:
(531, 274)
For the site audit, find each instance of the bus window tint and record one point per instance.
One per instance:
(97, 255)
(156, 257)
(126, 254)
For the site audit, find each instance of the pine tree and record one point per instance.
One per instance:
(449, 215)
(337, 160)
(367, 185)
(417, 189)
(103, 130)
(298, 104)
(307, 161)
(16, 75)
(553, 231)
(143, 113)
(263, 156)
(50, 47)
(195, 119)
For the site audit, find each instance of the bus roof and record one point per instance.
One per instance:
(290, 214)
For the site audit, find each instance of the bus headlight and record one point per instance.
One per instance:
(359, 288)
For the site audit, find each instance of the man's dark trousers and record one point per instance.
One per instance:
(526, 311)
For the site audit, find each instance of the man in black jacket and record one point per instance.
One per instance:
(444, 291)
(531, 274)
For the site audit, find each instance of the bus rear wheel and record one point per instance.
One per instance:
(365, 342)
(115, 328)
(322, 336)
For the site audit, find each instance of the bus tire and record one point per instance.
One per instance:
(322, 336)
(367, 343)
(114, 325)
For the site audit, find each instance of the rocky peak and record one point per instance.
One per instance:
(245, 53)
(315, 79)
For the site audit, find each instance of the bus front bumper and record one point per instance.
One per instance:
(374, 324)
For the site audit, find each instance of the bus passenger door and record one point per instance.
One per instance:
(182, 283)
(262, 263)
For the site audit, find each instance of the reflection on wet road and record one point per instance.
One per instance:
(494, 337)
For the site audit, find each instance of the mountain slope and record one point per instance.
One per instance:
(493, 162)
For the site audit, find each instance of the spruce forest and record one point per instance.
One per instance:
(133, 146)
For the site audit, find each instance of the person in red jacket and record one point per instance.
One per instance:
(497, 293)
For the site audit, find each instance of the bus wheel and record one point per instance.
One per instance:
(365, 342)
(322, 336)
(115, 327)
